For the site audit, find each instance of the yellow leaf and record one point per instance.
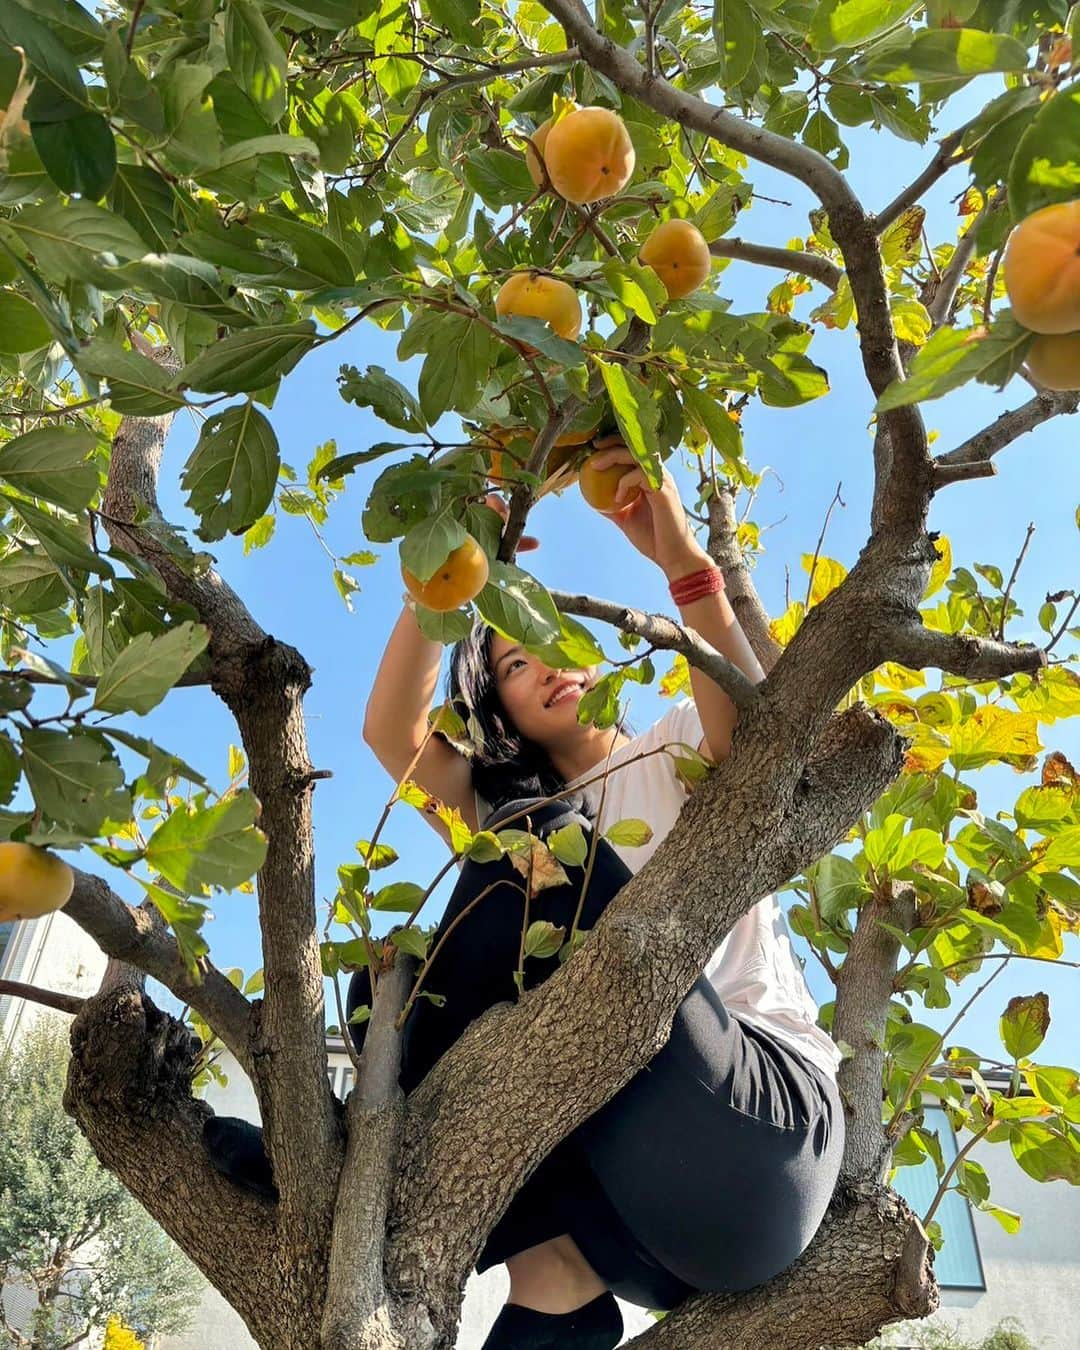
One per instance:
(785, 628)
(893, 676)
(927, 752)
(942, 569)
(993, 734)
(1056, 693)
(677, 680)
(828, 574)
(237, 762)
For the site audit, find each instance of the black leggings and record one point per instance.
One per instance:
(710, 1170)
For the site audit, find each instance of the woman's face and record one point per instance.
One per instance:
(541, 702)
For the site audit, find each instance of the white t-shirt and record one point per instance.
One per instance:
(754, 970)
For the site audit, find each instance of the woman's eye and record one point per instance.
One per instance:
(517, 661)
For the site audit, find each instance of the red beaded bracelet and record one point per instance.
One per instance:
(708, 581)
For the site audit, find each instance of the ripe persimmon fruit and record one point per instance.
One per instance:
(589, 155)
(536, 296)
(1042, 269)
(598, 486)
(461, 577)
(33, 881)
(680, 257)
(1054, 360)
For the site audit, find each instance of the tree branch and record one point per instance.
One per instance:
(262, 681)
(48, 998)
(664, 633)
(38, 677)
(357, 1309)
(972, 458)
(913, 646)
(943, 160)
(723, 547)
(134, 936)
(787, 259)
(870, 1253)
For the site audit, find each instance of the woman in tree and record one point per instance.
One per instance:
(713, 1167)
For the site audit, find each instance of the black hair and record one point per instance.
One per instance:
(506, 765)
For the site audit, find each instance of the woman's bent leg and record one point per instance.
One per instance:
(721, 1155)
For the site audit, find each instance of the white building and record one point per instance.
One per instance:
(53, 953)
(985, 1274)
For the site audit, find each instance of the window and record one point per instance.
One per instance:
(6, 930)
(958, 1264)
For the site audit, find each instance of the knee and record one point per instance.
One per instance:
(543, 817)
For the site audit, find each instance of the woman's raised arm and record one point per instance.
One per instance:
(396, 718)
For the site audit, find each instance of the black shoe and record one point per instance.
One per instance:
(596, 1326)
(236, 1149)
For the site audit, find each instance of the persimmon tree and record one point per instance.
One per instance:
(196, 195)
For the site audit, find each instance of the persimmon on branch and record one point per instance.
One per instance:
(851, 228)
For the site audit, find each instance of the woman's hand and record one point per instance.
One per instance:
(499, 506)
(655, 522)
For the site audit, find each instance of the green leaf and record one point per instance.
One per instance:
(138, 386)
(185, 917)
(22, 329)
(77, 150)
(497, 177)
(161, 765)
(333, 14)
(412, 942)
(256, 58)
(56, 74)
(638, 288)
(636, 412)
(68, 239)
(1045, 166)
(1008, 1218)
(839, 24)
(455, 371)
(147, 203)
(390, 401)
(51, 463)
(569, 845)
(196, 847)
(737, 31)
(147, 668)
(429, 543)
(838, 886)
(1024, 1024)
(629, 833)
(231, 474)
(954, 356)
(60, 538)
(943, 54)
(250, 360)
(543, 939)
(518, 606)
(75, 779)
(315, 251)
(400, 897)
(1043, 1153)
(711, 414)
(538, 333)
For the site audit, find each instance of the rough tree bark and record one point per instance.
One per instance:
(371, 1241)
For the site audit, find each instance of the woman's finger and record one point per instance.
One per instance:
(612, 439)
(628, 481)
(602, 458)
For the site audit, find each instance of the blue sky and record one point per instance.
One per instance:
(810, 450)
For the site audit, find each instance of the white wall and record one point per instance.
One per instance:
(1033, 1275)
(53, 953)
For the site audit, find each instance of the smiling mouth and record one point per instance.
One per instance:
(563, 694)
